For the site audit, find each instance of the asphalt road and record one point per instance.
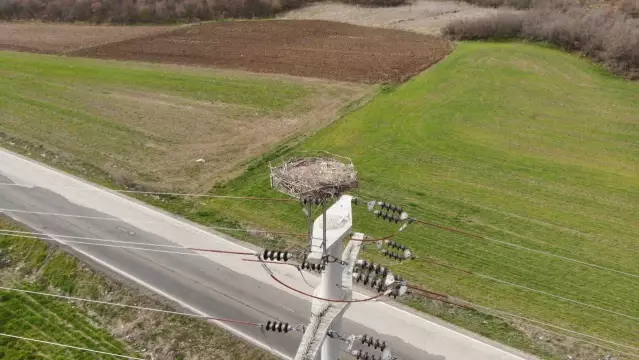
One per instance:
(205, 283)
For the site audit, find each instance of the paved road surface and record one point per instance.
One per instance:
(211, 284)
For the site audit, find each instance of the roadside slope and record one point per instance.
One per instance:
(35, 265)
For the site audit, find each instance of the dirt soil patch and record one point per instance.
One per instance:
(61, 38)
(308, 48)
(422, 16)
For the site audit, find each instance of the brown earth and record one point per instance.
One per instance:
(308, 48)
(61, 38)
(421, 16)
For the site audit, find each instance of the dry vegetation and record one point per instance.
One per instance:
(152, 11)
(606, 34)
(61, 38)
(318, 49)
(150, 124)
(142, 11)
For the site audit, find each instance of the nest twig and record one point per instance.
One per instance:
(314, 178)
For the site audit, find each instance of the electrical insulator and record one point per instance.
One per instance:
(362, 263)
(312, 267)
(383, 271)
(392, 255)
(379, 284)
(275, 255)
(357, 277)
(360, 355)
(373, 342)
(366, 278)
(387, 216)
(399, 290)
(395, 245)
(370, 280)
(390, 207)
(277, 326)
(372, 267)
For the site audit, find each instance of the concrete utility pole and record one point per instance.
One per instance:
(316, 181)
(335, 224)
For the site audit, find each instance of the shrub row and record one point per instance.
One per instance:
(606, 35)
(139, 11)
(517, 4)
(152, 11)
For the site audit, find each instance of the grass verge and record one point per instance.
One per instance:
(34, 265)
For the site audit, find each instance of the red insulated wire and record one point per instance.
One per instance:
(451, 229)
(426, 291)
(432, 261)
(324, 299)
(268, 262)
(439, 297)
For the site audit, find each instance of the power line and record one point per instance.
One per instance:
(521, 247)
(149, 222)
(435, 262)
(554, 326)
(36, 235)
(557, 283)
(159, 193)
(69, 346)
(47, 237)
(270, 273)
(232, 321)
(491, 311)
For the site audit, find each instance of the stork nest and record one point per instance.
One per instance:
(314, 178)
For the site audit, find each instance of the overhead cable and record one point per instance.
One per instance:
(270, 273)
(149, 222)
(69, 346)
(508, 316)
(488, 277)
(47, 237)
(521, 247)
(159, 193)
(232, 321)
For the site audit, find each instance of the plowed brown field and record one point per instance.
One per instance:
(309, 48)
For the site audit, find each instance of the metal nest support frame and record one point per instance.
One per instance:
(314, 178)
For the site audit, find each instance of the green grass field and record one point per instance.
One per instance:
(146, 123)
(519, 143)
